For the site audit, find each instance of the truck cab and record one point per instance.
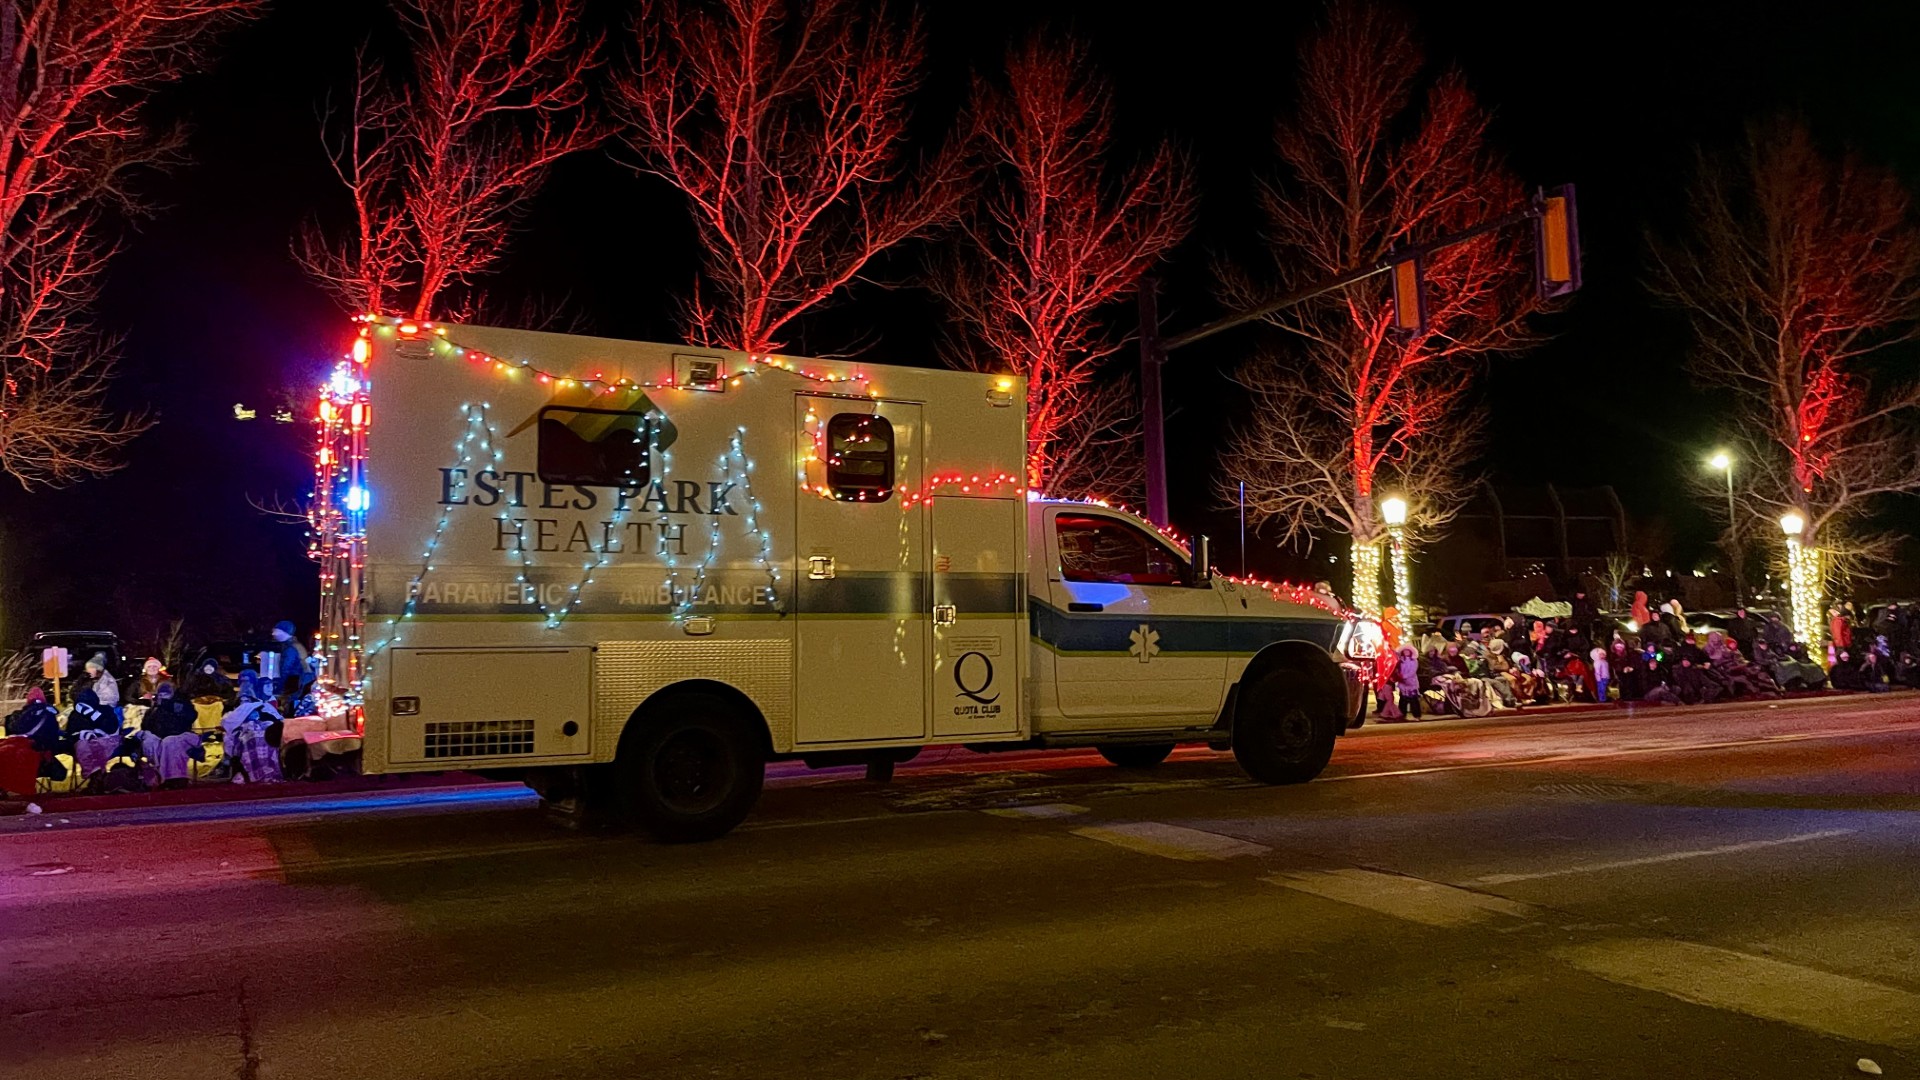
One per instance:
(1137, 646)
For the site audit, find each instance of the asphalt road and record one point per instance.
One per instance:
(1703, 893)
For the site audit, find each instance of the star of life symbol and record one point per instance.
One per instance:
(1146, 642)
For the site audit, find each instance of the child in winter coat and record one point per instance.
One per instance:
(1406, 682)
(1602, 671)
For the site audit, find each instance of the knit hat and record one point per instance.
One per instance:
(36, 696)
(99, 661)
(286, 627)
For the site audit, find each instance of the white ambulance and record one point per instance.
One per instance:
(641, 572)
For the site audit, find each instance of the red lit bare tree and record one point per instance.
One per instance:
(74, 76)
(783, 122)
(1056, 240)
(441, 159)
(1375, 156)
(1797, 271)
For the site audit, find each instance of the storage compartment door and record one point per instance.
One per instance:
(980, 615)
(468, 707)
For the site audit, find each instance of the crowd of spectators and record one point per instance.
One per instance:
(160, 731)
(1652, 655)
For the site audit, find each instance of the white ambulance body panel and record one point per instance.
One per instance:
(720, 567)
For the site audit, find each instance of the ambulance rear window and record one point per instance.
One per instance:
(860, 457)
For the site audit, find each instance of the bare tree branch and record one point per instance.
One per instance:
(74, 76)
(1046, 253)
(441, 160)
(1369, 165)
(1797, 271)
(783, 124)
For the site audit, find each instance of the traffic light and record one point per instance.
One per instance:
(1556, 255)
(1409, 300)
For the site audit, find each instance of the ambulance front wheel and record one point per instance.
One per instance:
(690, 768)
(1284, 727)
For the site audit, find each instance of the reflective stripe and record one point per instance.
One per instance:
(1088, 634)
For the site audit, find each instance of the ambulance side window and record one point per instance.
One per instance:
(594, 447)
(1101, 549)
(860, 457)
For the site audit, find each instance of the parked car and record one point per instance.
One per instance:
(1457, 627)
(81, 646)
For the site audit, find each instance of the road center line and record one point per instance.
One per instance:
(1671, 856)
(1628, 752)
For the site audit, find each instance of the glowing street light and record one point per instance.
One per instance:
(1394, 511)
(1721, 461)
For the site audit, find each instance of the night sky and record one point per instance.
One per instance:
(1610, 97)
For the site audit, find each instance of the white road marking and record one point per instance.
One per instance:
(1038, 810)
(1671, 856)
(1821, 1001)
(1171, 841)
(1591, 755)
(1413, 899)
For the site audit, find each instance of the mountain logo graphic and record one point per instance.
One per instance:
(601, 439)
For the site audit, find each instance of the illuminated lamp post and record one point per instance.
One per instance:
(1803, 582)
(1723, 462)
(1394, 512)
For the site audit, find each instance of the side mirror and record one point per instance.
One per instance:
(1200, 574)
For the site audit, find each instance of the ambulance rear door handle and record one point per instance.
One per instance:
(820, 567)
(945, 614)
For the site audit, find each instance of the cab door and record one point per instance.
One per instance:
(1130, 638)
(862, 633)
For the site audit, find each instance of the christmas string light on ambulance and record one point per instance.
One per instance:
(598, 575)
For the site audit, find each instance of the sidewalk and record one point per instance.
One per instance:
(296, 795)
(1592, 710)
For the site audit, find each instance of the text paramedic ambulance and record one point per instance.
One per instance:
(641, 572)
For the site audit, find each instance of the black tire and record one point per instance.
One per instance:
(690, 770)
(1284, 728)
(1136, 755)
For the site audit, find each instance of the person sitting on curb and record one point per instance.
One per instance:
(250, 753)
(167, 738)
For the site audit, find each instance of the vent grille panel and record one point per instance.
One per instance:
(479, 738)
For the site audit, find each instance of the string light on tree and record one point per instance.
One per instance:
(1803, 582)
(1394, 512)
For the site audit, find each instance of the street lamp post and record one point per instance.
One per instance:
(1394, 511)
(1803, 582)
(1723, 461)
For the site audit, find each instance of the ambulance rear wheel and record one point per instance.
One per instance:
(690, 769)
(1136, 755)
(1284, 728)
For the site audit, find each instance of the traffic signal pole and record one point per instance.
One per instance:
(1557, 272)
(1153, 355)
